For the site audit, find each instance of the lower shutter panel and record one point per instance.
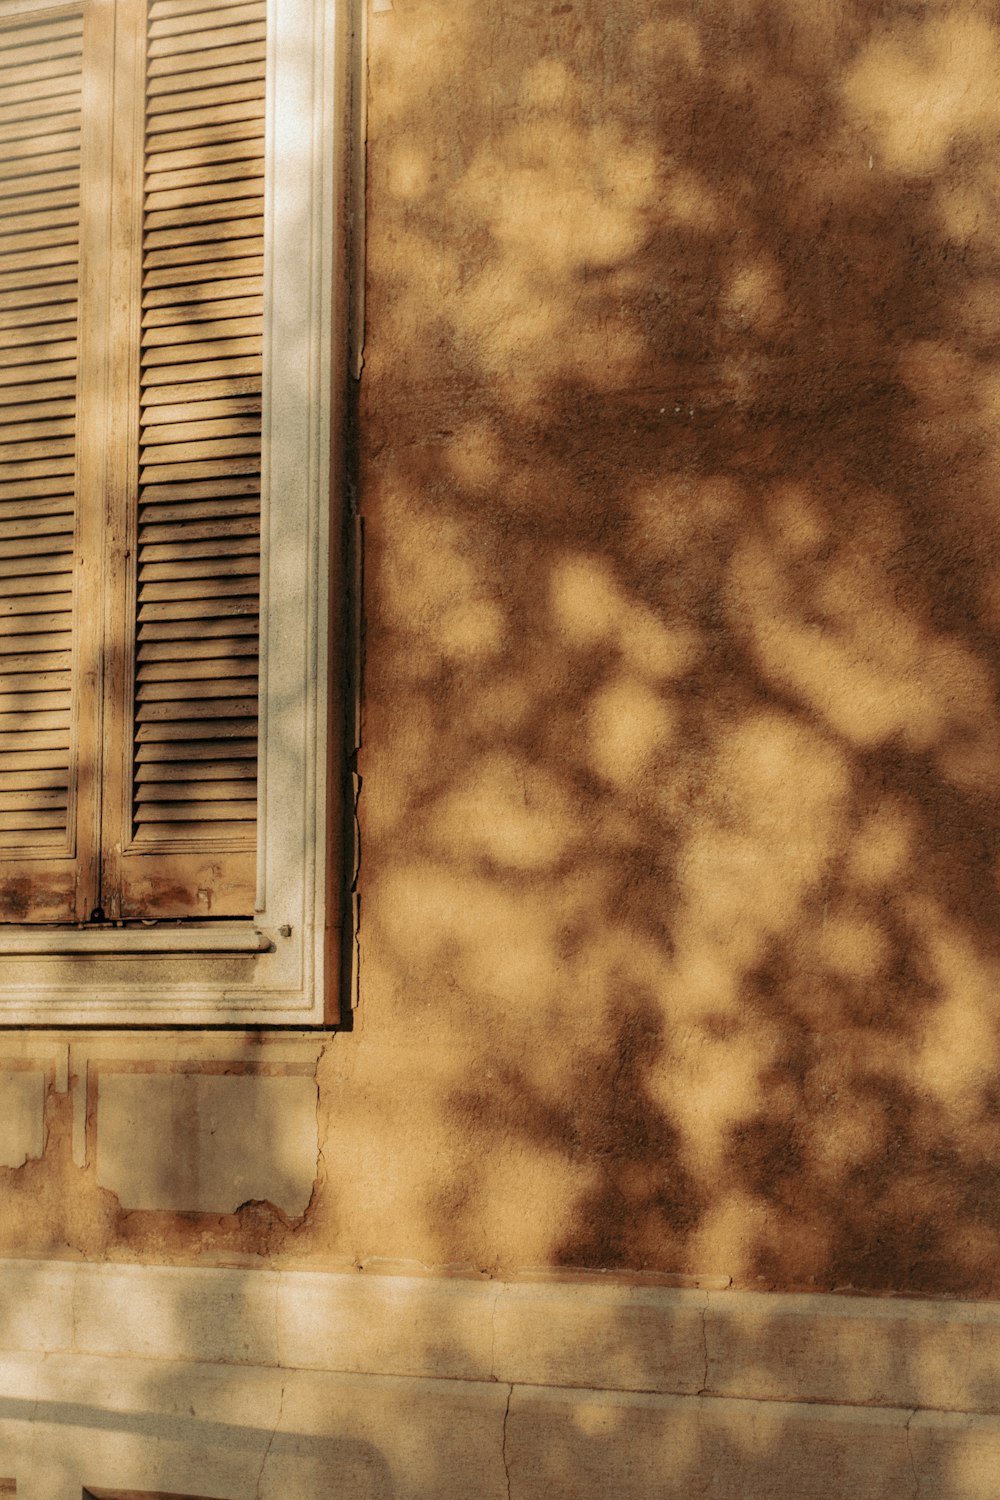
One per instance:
(196, 691)
(40, 125)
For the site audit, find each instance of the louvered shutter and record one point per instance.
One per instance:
(188, 801)
(45, 808)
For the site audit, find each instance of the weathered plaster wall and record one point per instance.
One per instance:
(678, 466)
(680, 809)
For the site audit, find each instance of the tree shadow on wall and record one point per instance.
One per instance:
(679, 456)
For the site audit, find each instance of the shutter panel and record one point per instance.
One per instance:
(41, 72)
(189, 848)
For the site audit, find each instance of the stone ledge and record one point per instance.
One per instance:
(252, 1433)
(875, 1352)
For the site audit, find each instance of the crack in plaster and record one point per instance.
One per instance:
(909, 1455)
(74, 1313)
(503, 1440)
(704, 1348)
(278, 1343)
(970, 1352)
(320, 1176)
(267, 1450)
(493, 1333)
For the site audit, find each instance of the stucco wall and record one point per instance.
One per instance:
(680, 811)
(678, 942)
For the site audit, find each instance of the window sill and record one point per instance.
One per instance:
(24, 941)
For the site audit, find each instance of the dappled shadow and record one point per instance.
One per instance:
(681, 771)
(679, 934)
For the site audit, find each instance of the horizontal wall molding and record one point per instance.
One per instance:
(291, 1385)
(901, 1353)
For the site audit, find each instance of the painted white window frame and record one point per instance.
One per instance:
(275, 969)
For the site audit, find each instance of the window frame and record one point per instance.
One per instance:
(276, 968)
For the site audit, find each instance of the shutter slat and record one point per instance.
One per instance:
(200, 17)
(228, 807)
(233, 224)
(18, 396)
(194, 354)
(44, 32)
(203, 106)
(204, 218)
(53, 427)
(176, 38)
(41, 662)
(222, 836)
(205, 586)
(36, 136)
(30, 797)
(170, 276)
(16, 79)
(15, 651)
(158, 9)
(227, 332)
(207, 669)
(20, 743)
(44, 603)
(204, 468)
(211, 408)
(214, 68)
(207, 165)
(58, 172)
(170, 773)
(33, 763)
(35, 565)
(58, 468)
(196, 610)
(174, 201)
(224, 256)
(38, 278)
(26, 547)
(164, 654)
(197, 295)
(223, 140)
(223, 625)
(40, 344)
(51, 234)
(58, 445)
(177, 732)
(13, 114)
(227, 683)
(157, 748)
(23, 826)
(39, 298)
(35, 507)
(222, 311)
(223, 382)
(214, 448)
(229, 544)
(54, 86)
(188, 533)
(211, 379)
(36, 491)
(27, 591)
(29, 721)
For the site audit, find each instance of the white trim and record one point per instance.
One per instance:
(226, 938)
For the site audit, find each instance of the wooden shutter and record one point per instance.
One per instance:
(41, 79)
(188, 799)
